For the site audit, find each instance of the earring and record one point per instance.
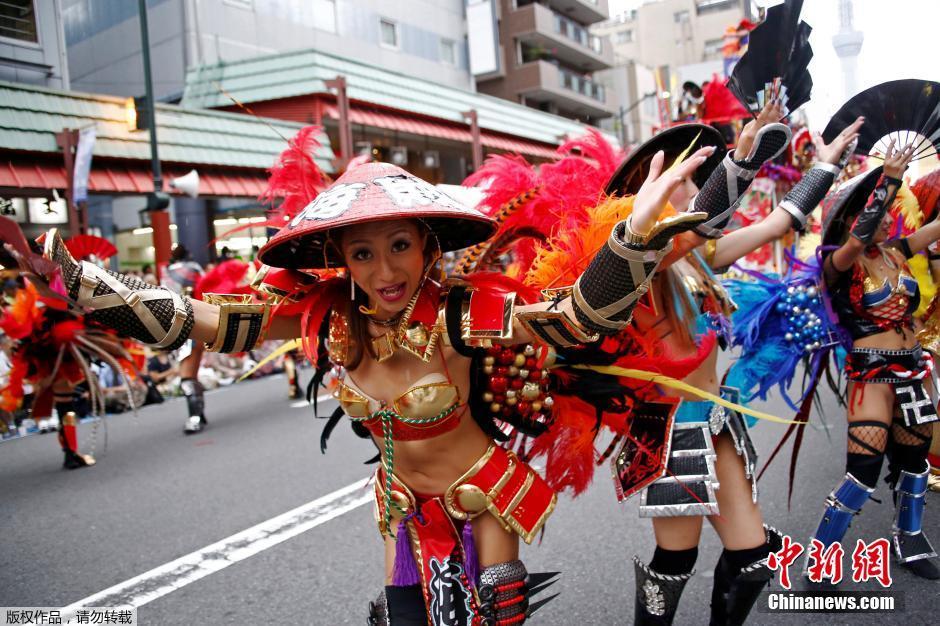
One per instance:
(352, 289)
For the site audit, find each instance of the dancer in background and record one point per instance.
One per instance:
(889, 411)
(181, 276)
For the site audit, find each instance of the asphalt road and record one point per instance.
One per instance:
(156, 496)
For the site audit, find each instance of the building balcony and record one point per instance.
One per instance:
(584, 11)
(543, 82)
(547, 34)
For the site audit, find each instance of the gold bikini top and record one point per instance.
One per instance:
(422, 400)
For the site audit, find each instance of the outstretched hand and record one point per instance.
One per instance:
(832, 152)
(896, 161)
(772, 112)
(659, 185)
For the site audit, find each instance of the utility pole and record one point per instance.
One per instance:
(157, 202)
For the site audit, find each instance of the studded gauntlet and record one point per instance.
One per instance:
(803, 199)
(606, 293)
(722, 192)
(153, 315)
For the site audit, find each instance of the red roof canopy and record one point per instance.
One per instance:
(409, 123)
(35, 174)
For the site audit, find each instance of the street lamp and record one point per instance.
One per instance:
(623, 111)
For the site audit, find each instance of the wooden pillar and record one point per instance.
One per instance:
(67, 139)
(345, 126)
(477, 145)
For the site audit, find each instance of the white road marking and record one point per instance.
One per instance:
(302, 403)
(174, 575)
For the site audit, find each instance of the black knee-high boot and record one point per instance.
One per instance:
(740, 577)
(660, 584)
(195, 403)
(399, 605)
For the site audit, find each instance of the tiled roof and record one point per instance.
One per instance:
(303, 72)
(30, 116)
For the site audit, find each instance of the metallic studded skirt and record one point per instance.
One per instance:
(689, 482)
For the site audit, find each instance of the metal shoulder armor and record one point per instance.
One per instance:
(475, 318)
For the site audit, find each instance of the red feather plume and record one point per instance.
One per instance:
(226, 277)
(927, 192)
(295, 177)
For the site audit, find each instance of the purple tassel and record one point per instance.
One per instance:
(405, 570)
(472, 563)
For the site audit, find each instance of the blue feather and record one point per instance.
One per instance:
(764, 319)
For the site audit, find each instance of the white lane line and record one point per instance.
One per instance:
(174, 575)
(302, 403)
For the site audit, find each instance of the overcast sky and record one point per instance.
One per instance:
(900, 42)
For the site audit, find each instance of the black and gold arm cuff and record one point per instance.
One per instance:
(604, 296)
(554, 328)
(241, 322)
(153, 315)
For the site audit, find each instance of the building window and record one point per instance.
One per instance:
(388, 35)
(18, 20)
(703, 6)
(324, 15)
(713, 47)
(680, 17)
(533, 52)
(624, 36)
(448, 52)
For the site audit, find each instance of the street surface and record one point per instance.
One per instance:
(247, 523)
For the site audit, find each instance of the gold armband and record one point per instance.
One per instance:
(241, 322)
(555, 328)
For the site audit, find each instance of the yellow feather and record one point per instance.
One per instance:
(685, 153)
(920, 269)
(905, 203)
(284, 348)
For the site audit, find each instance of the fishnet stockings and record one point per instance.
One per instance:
(905, 435)
(867, 437)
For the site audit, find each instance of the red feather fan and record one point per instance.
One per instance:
(86, 246)
(548, 200)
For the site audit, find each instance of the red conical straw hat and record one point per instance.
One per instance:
(368, 193)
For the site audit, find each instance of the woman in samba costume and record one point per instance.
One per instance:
(672, 335)
(708, 444)
(889, 413)
(450, 502)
